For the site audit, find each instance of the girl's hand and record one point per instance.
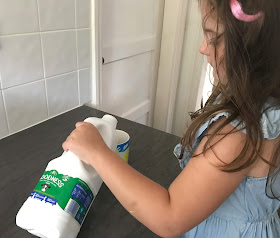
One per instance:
(85, 142)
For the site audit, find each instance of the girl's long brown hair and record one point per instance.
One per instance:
(252, 63)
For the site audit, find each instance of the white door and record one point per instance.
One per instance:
(130, 44)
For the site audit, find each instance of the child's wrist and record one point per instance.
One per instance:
(96, 158)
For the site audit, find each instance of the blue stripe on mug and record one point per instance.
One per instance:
(123, 147)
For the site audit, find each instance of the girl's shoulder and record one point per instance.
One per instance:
(270, 123)
(270, 120)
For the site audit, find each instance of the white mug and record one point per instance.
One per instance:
(123, 145)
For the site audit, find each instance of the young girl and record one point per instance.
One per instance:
(230, 183)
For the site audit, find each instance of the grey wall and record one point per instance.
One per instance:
(45, 60)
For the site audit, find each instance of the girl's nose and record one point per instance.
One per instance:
(203, 49)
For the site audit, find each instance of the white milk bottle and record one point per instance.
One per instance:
(58, 205)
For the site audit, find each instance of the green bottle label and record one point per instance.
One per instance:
(73, 195)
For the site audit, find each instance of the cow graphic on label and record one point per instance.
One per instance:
(45, 187)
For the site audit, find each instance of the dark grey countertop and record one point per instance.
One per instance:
(24, 157)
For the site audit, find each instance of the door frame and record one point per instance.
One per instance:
(175, 17)
(96, 58)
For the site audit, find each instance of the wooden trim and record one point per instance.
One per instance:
(96, 53)
(179, 43)
(156, 58)
(175, 15)
(191, 73)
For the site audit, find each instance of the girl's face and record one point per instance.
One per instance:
(213, 38)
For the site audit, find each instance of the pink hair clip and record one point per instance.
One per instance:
(240, 15)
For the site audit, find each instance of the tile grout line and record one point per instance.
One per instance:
(44, 32)
(40, 33)
(43, 60)
(39, 122)
(77, 53)
(51, 77)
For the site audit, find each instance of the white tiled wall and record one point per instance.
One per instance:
(45, 60)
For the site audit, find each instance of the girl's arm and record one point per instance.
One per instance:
(196, 193)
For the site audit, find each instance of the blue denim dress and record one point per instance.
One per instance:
(248, 212)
